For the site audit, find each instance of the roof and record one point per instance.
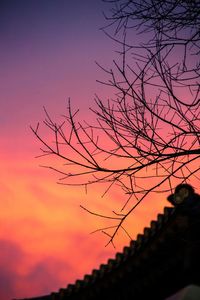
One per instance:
(152, 266)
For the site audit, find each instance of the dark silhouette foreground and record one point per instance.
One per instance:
(160, 262)
(187, 202)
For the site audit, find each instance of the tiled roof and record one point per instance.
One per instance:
(140, 267)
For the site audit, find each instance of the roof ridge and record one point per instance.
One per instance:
(121, 257)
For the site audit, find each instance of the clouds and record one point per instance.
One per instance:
(44, 235)
(22, 275)
(44, 240)
(44, 277)
(11, 256)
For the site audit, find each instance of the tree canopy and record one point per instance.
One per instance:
(150, 126)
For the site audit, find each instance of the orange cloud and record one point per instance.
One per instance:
(45, 234)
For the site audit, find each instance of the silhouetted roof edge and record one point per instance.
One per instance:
(134, 252)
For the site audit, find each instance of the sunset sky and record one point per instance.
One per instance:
(47, 54)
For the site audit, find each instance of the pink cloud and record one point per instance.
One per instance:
(10, 259)
(20, 277)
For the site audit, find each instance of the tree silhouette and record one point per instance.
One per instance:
(150, 128)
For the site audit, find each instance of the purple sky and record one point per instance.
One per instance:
(48, 51)
(47, 54)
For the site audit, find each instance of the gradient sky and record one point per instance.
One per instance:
(48, 51)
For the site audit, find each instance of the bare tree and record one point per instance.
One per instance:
(150, 128)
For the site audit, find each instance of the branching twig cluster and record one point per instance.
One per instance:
(148, 137)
